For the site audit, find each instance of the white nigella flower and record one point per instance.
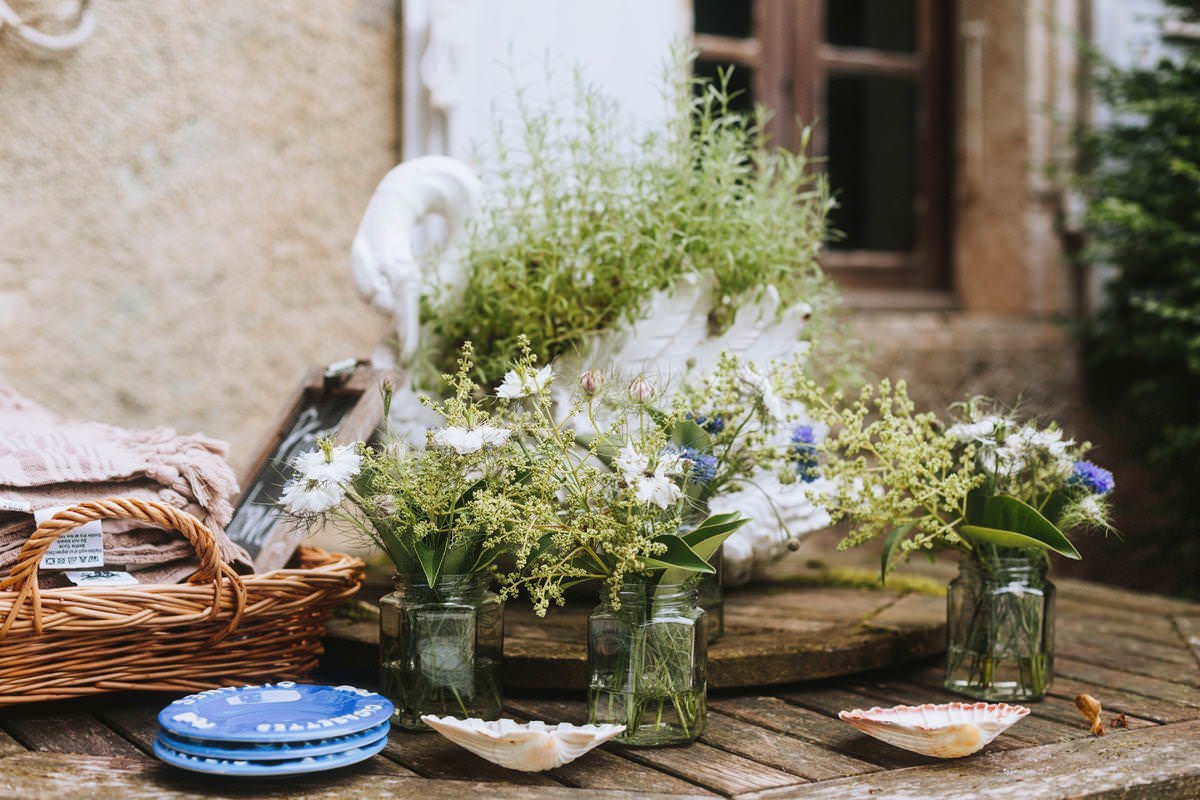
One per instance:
(983, 430)
(669, 463)
(332, 464)
(761, 384)
(630, 463)
(465, 441)
(516, 384)
(1091, 508)
(658, 489)
(305, 498)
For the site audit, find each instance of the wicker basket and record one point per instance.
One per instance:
(217, 629)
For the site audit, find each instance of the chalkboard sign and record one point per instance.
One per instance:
(343, 402)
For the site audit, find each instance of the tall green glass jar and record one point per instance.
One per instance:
(441, 648)
(1000, 627)
(648, 663)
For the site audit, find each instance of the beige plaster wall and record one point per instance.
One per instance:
(177, 202)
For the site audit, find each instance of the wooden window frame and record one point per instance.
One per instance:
(792, 64)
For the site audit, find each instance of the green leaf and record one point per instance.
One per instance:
(688, 434)
(889, 547)
(976, 499)
(430, 558)
(712, 533)
(1008, 522)
(678, 556)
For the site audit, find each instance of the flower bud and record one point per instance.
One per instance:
(641, 390)
(591, 382)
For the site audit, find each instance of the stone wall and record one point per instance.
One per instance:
(177, 203)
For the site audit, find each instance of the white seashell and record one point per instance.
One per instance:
(528, 747)
(948, 730)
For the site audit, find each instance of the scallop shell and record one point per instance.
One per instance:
(948, 730)
(529, 747)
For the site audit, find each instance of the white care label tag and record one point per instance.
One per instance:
(100, 577)
(15, 505)
(80, 548)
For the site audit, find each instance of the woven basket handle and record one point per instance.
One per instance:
(24, 575)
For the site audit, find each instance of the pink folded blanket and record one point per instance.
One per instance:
(46, 461)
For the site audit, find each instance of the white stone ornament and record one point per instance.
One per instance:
(528, 747)
(383, 258)
(668, 342)
(948, 730)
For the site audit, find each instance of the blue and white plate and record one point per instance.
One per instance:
(272, 752)
(296, 766)
(274, 713)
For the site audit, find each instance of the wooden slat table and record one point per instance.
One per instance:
(1139, 654)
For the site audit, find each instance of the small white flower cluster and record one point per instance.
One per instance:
(465, 441)
(765, 391)
(650, 487)
(525, 383)
(1003, 453)
(321, 475)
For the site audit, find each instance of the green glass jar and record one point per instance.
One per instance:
(1000, 627)
(648, 663)
(441, 648)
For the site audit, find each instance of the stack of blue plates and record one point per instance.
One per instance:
(275, 729)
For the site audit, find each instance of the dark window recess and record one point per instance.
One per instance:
(874, 24)
(740, 86)
(872, 130)
(725, 17)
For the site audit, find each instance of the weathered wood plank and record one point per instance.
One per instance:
(1153, 763)
(58, 728)
(1102, 594)
(1140, 684)
(1066, 640)
(135, 718)
(601, 769)
(699, 763)
(1116, 699)
(805, 759)
(46, 775)
(1189, 629)
(812, 726)
(1157, 630)
(1100, 655)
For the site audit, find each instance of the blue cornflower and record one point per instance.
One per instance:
(1094, 478)
(804, 453)
(711, 425)
(702, 466)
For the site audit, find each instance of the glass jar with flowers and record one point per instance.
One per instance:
(628, 483)
(742, 432)
(445, 515)
(999, 490)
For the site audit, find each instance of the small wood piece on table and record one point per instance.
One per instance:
(1136, 653)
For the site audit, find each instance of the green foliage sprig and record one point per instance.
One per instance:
(587, 223)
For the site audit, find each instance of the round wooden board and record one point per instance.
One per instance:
(776, 633)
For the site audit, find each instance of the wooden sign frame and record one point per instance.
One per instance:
(342, 401)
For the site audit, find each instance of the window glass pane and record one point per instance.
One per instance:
(741, 82)
(871, 146)
(876, 24)
(725, 17)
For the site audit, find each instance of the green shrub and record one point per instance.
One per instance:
(588, 221)
(1143, 347)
